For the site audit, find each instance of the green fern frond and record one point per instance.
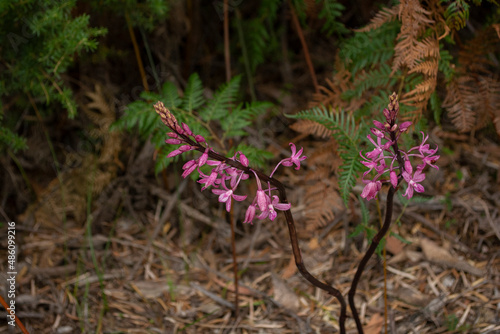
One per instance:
(137, 114)
(193, 94)
(456, 14)
(218, 107)
(234, 123)
(347, 134)
(169, 95)
(367, 49)
(257, 108)
(11, 140)
(379, 78)
(331, 11)
(257, 41)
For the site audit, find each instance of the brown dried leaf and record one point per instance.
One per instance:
(441, 256)
(284, 295)
(375, 324)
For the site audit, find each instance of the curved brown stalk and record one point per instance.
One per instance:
(373, 246)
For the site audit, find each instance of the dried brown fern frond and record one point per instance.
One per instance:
(489, 102)
(331, 95)
(474, 56)
(414, 21)
(311, 128)
(459, 101)
(383, 16)
(65, 197)
(322, 194)
(473, 95)
(100, 109)
(428, 67)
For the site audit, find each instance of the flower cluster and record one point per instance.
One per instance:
(227, 173)
(386, 157)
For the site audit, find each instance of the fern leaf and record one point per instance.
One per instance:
(331, 12)
(349, 173)
(311, 128)
(169, 95)
(457, 102)
(218, 107)
(383, 16)
(193, 94)
(429, 67)
(234, 123)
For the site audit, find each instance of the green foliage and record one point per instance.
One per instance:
(144, 14)
(204, 116)
(257, 41)
(348, 136)
(40, 40)
(456, 13)
(331, 11)
(366, 50)
(378, 78)
(364, 226)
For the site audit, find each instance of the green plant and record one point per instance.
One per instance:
(221, 119)
(40, 40)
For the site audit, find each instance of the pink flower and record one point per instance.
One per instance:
(412, 181)
(250, 214)
(271, 206)
(295, 158)
(226, 195)
(371, 189)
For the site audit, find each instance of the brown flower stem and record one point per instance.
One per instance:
(373, 246)
(296, 23)
(18, 321)
(235, 265)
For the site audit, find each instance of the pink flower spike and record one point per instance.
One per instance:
(295, 158)
(371, 189)
(173, 141)
(172, 135)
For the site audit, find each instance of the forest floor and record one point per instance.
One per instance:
(169, 270)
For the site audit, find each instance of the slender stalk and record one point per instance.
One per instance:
(296, 23)
(18, 321)
(230, 217)
(373, 246)
(227, 56)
